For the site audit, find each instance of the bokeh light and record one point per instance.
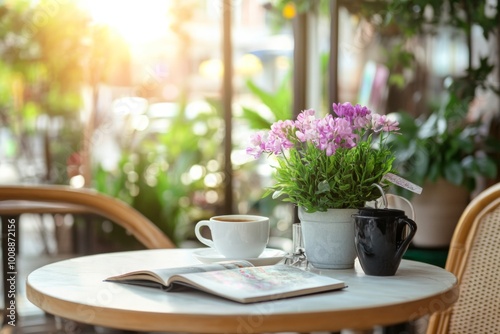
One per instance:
(138, 21)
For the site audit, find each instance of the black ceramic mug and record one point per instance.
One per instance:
(382, 238)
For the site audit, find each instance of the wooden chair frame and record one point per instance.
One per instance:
(52, 199)
(91, 201)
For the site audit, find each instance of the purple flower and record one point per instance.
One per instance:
(314, 153)
(258, 144)
(278, 139)
(382, 123)
(327, 134)
(306, 126)
(334, 133)
(358, 116)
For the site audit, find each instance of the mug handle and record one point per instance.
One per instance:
(203, 240)
(408, 203)
(413, 229)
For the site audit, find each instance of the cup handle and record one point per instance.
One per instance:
(406, 242)
(203, 240)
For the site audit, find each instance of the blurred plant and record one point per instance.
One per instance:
(173, 177)
(282, 11)
(444, 145)
(49, 51)
(279, 104)
(43, 53)
(441, 139)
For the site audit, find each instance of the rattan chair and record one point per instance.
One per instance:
(474, 257)
(52, 199)
(64, 198)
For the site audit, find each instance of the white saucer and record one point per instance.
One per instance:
(269, 257)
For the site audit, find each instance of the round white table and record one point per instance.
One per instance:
(74, 289)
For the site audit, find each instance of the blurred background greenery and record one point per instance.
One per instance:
(131, 104)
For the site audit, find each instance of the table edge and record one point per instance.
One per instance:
(248, 323)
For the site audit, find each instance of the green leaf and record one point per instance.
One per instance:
(397, 80)
(277, 194)
(429, 128)
(487, 167)
(323, 187)
(453, 172)
(255, 120)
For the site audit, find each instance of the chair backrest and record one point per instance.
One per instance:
(474, 257)
(90, 201)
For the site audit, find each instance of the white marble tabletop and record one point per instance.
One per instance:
(75, 289)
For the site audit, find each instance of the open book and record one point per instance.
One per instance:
(239, 281)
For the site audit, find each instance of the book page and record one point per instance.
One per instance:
(261, 283)
(162, 275)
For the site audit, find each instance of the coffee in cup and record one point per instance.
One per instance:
(236, 236)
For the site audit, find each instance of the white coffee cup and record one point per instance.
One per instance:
(236, 236)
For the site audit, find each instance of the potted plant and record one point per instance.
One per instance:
(446, 154)
(328, 167)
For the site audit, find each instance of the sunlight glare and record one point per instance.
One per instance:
(138, 21)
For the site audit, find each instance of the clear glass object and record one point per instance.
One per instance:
(297, 257)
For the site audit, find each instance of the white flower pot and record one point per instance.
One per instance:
(329, 238)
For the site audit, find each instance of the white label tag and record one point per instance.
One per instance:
(399, 181)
